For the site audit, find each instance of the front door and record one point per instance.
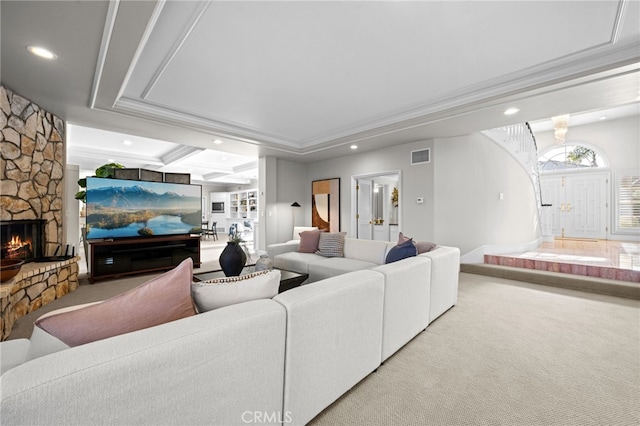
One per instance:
(579, 204)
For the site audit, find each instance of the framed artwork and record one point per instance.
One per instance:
(325, 204)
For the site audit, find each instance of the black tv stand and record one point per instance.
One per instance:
(112, 258)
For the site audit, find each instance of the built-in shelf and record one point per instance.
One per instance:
(243, 204)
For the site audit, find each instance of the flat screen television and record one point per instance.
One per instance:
(118, 208)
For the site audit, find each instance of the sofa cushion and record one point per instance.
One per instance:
(164, 298)
(296, 261)
(334, 336)
(367, 250)
(14, 352)
(445, 269)
(334, 266)
(309, 241)
(402, 251)
(331, 244)
(213, 294)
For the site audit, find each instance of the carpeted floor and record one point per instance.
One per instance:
(509, 353)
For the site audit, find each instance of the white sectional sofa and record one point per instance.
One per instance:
(368, 254)
(205, 369)
(277, 361)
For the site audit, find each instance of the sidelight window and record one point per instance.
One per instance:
(627, 201)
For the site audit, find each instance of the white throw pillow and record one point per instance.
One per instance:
(219, 292)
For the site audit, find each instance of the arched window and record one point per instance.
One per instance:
(570, 156)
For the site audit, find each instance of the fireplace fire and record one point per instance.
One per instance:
(22, 239)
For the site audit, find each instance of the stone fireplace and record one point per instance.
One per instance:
(32, 162)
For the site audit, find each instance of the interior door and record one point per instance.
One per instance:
(364, 190)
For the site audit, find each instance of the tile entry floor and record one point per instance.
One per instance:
(618, 260)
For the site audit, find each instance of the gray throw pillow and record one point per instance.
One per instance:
(331, 244)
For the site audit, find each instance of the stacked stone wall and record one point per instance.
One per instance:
(31, 165)
(36, 285)
(32, 187)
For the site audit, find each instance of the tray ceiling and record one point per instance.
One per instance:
(304, 80)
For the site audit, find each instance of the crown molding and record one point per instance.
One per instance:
(218, 128)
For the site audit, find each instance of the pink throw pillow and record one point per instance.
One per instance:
(424, 246)
(309, 241)
(402, 238)
(163, 299)
(421, 246)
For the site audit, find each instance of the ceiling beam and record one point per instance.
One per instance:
(180, 153)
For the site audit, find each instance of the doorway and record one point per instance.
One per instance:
(377, 216)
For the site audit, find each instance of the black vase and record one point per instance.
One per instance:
(232, 259)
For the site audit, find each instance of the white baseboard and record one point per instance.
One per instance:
(477, 255)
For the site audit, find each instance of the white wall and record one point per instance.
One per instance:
(71, 221)
(292, 182)
(471, 172)
(417, 181)
(219, 218)
(282, 182)
(460, 187)
(267, 208)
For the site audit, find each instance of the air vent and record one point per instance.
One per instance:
(420, 156)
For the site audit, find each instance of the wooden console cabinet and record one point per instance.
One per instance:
(136, 255)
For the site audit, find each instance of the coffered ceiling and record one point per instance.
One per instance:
(306, 80)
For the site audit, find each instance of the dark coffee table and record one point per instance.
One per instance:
(288, 279)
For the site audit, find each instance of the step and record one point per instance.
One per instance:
(565, 266)
(609, 287)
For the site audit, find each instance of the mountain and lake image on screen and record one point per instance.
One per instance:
(119, 208)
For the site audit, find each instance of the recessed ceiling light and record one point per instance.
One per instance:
(217, 141)
(511, 111)
(603, 117)
(354, 147)
(111, 160)
(224, 158)
(127, 142)
(42, 52)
